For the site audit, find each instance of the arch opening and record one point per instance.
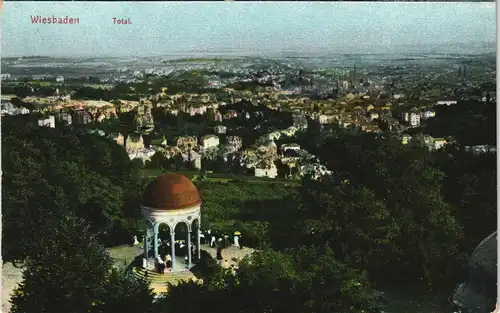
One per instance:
(163, 239)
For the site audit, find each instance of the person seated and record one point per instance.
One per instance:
(159, 263)
(168, 262)
(161, 268)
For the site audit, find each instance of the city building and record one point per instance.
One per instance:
(230, 114)
(8, 108)
(65, 118)
(289, 146)
(479, 149)
(266, 169)
(48, 122)
(315, 171)
(209, 141)
(290, 131)
(220, 129)
(427, 114)
(273, 136)
(412, 118)
(4, 76)
(324, 119)
(186, 143)
(82, 117)
(234, 143)
(447, 102)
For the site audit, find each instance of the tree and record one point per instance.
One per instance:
(65, 272)
(404, 178)
(470, 185)
(48, 173)
(126, 125)
(160, 161)
(69, 271)
(334, 286)
(22, 91)
(359, 227)
(178, 161)
(270, 281)
(126, 293)
(17, 102)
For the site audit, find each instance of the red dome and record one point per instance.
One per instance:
(171, 192)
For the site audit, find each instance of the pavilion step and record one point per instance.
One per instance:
(157, 278)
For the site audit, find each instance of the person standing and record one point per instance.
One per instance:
(194, 255)
(219, 253)
(240, 242)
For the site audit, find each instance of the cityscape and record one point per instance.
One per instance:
(230, 162)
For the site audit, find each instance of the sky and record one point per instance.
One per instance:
(160, 28)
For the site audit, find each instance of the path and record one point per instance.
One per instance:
(11, 276)
(124, 255)
(232, 254)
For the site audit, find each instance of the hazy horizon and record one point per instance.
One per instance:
(247, 28)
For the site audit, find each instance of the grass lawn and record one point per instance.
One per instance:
(148, 172)
(124, 255)
(42, 83)
(219, 177)
(101, 86)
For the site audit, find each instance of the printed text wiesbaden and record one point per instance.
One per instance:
(37, 19)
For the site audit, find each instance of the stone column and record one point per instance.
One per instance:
(189, 249)
(145, 243)
(155, 240)
(172, 245)
(198, 243)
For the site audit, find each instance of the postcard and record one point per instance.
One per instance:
(248, 157)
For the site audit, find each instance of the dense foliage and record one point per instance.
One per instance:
(305, 280)
(390, 212)
(470, 122)
(69, 271)
(470, 185)
(436, 200)
(48, 173)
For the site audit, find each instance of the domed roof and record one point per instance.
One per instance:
(171, 192)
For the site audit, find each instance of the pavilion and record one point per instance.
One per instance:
(171, 199)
